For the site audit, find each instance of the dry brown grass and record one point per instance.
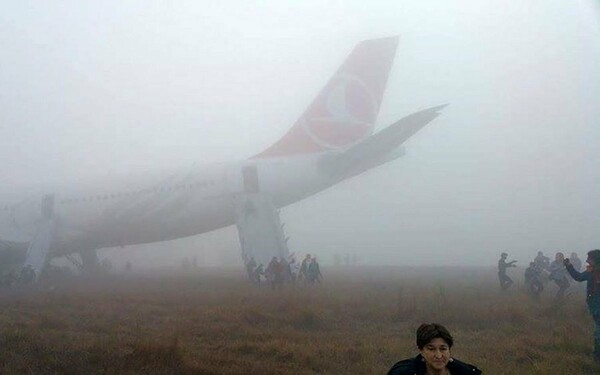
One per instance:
(360, 321)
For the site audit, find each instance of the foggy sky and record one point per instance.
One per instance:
(511, 165)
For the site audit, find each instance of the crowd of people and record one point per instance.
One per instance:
(539, 272)
(281, 270)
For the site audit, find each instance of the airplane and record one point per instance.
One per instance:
(331, 141)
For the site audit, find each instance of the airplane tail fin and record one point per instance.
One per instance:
(345, 110)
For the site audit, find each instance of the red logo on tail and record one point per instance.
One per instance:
(344, 115)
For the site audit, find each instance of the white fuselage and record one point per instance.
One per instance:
(160, 207)
(330, 141)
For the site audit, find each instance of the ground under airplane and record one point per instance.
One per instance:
(331, 141)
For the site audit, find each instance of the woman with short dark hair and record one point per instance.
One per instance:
(434, 342)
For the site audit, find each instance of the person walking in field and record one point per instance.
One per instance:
(250, 266)
(505, 281)
(258, 272)
(303, 274)
(294, 268)
(434, 343)
(542, 261)
(275, 273)
(558, 274)
(314, 272)
(286, 272)
(533, 280)
(592, 276)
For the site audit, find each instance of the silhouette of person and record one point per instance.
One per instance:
(314, 271)
(542, 261)
(303, 274)
(250, 266)
(505, 280)
(533, 280)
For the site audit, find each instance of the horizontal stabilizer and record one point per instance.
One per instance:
(379, 147)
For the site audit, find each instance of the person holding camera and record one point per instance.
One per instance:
(592, 276)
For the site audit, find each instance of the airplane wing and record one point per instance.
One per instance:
(380, 147)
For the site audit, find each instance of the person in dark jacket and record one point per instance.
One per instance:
(542, 261)
(314, 272)
(533, 280)
(558, 274)
(592, 276)
(505, 281)
(434, 342)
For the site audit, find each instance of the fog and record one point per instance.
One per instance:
(90, 88)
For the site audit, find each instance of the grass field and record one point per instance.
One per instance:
(360, 321)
